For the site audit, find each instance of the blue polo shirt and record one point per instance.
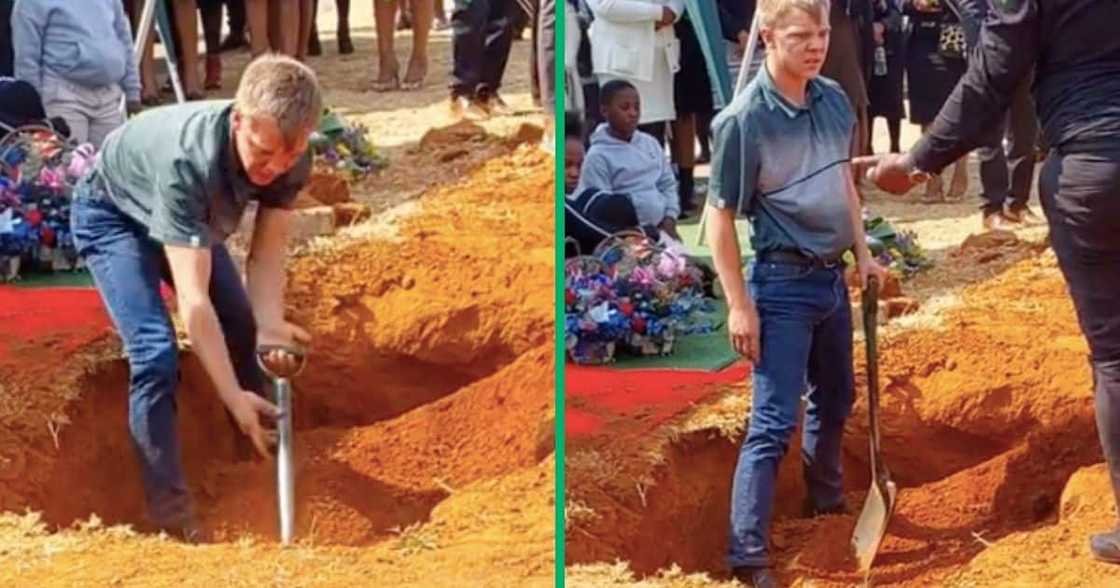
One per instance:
(783, 166)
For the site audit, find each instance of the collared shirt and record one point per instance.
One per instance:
(783, 166)
(1074, 49)
(175, 171)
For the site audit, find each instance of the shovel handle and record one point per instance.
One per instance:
(870, 299)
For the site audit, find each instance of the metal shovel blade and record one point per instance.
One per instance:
(871, 526)
(878, 507)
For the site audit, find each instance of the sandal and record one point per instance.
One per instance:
(414, 84)
(388, 85)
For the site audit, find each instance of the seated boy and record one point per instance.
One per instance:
(78, 55)
(780, 156)
(624, 160)
(591, 215)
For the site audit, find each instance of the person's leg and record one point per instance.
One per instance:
(546, 52)
(440, 16)
(388, 70)
(1022, 133)
(306, 17)
(62, 100)
(235, 313)
(958, 186)
(498, 41)
(345, 44)
(704, 136)
(212, 33)
(1080, 194)
(418, 63)
(684, 150)
(105, 114)
(935, 186)
(778, 383)
(534, 70)
(831, 392)
(468, 21)
(237, 25)
(994, 181)
(125, 266)
(894, 127)
(186, 23)
(870, 134)
(314, 47)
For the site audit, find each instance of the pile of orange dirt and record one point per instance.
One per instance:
(326, 188)
(984, 421)
(423, 421)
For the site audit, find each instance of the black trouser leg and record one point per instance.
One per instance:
(468, 24)
(211, 25)
(1080, 194)
(498, 41)
(894, 128)
(994, 180)
(1022, 135)
(236, 10)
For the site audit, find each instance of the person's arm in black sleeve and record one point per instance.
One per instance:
(1007, 52)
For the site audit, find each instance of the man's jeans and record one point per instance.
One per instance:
(806, 340)
(1080, 192)
(127, 267)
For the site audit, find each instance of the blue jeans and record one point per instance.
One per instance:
(127, 268)
(806, 340)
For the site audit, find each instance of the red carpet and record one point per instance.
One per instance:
(61, 319)
(598, 396)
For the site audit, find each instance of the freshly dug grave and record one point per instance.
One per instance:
(423, 421)
(984, 421)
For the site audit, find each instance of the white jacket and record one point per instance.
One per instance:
(623, 41)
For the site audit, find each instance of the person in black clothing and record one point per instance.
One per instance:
(930, 75)
(345, 44)
(6, 54)
(884, 86)
(482, 35)
(1076, 60)
(1005, 177)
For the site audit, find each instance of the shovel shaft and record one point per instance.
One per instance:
(870, 331)
(285, 473)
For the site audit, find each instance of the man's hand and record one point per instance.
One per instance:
(669, 225)
(247, 409)
(869, 267)
(668, 17)
(133, 107)
(284, 334)
(743, 328)
(893, 173)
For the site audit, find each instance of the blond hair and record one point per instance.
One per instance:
(772, 11)
(283, 88)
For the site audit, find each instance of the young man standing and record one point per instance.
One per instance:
(169, 187)
(781, 157)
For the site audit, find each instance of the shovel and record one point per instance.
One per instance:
(285, 467)
(879, 505)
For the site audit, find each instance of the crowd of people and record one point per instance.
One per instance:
(894, 59)
(79, 56)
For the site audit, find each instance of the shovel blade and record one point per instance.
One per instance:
(871, 526)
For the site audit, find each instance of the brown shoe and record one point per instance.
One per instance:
(1023, 214)
(495, 106)
(996, 221)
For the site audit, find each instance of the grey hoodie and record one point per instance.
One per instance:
(638, 168)
(85, 42)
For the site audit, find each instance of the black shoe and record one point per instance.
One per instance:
(811, 511)
(345, 45)
(1106, 546)
(756, 577)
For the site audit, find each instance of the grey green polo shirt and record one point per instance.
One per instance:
(783, 166)
(175, 171)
